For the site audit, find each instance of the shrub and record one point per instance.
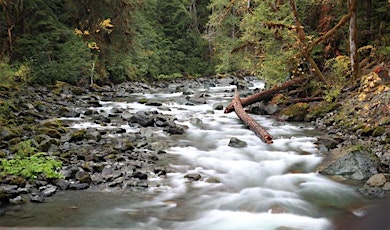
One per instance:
(30, 163)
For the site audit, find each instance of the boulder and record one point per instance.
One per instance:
(357, 163)
(377, 180)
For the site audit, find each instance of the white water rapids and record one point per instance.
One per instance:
(259, 187)
(256, 187)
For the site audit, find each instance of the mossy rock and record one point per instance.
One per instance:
(320, 110)
(8, 133)
(44, 146)
(278, 99)
(295, 112)
(143, 101)
(54, 124)
(15, 180)
(49, 131)
(59, 86)
(77, 90)
(384, 121)
(41, 137)
(378, 131)
(78, 135)
(367, 131)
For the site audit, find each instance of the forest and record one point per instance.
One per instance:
(124, 95)
(111, 41)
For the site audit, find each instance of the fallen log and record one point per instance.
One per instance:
(265, 94)
(249, 121)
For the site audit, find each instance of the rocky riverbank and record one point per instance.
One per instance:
(121, 149)
(358, 139)
(356, 144)
(35, 121)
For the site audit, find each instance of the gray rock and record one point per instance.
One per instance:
(63, 184)
(140, 175)
(17, 200)
(48, 190)
(193, 176)
(237, 143)
(218, 106)
(78, 186)
(355, 163)
(143, 118)
(37, 197)
(372, 192)
(174, 129)
(83, 177)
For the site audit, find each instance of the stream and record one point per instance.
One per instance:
(259, 186)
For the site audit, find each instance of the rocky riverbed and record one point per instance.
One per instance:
(92, 158)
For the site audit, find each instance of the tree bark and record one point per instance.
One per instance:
(250, 122)
(265, 94)
(353, 39)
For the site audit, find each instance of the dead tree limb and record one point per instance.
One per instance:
(250, 122)
(265, 94)
(304, 43)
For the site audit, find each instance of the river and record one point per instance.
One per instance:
(260, 186)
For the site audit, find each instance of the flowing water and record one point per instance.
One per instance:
(258, 187)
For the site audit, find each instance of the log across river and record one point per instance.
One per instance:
(212, 185)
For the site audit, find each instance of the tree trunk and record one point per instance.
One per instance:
(250, 122)
(265, 94)
(353, 39)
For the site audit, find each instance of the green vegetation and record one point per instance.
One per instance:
(106, 42)
(30, 163)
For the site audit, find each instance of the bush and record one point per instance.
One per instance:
(29, 163)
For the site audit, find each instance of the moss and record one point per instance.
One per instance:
(54, 124)
(367, 131)
(356, 148)
(78, 135)
(50, 132)
(143, 101)
(357, 127)
(384, 121)
(2, 154)
(320, 110)
(77, 90)
(278, 99)
(378, 131)
(296, 112)
(59, 86)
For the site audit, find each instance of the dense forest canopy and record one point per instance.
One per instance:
(112, 41)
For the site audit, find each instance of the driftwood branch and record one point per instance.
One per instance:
(250, 122)
(265, 94)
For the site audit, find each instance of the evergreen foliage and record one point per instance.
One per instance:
(116, 41)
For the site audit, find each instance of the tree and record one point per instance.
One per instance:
(353, 39)
(12, 10)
